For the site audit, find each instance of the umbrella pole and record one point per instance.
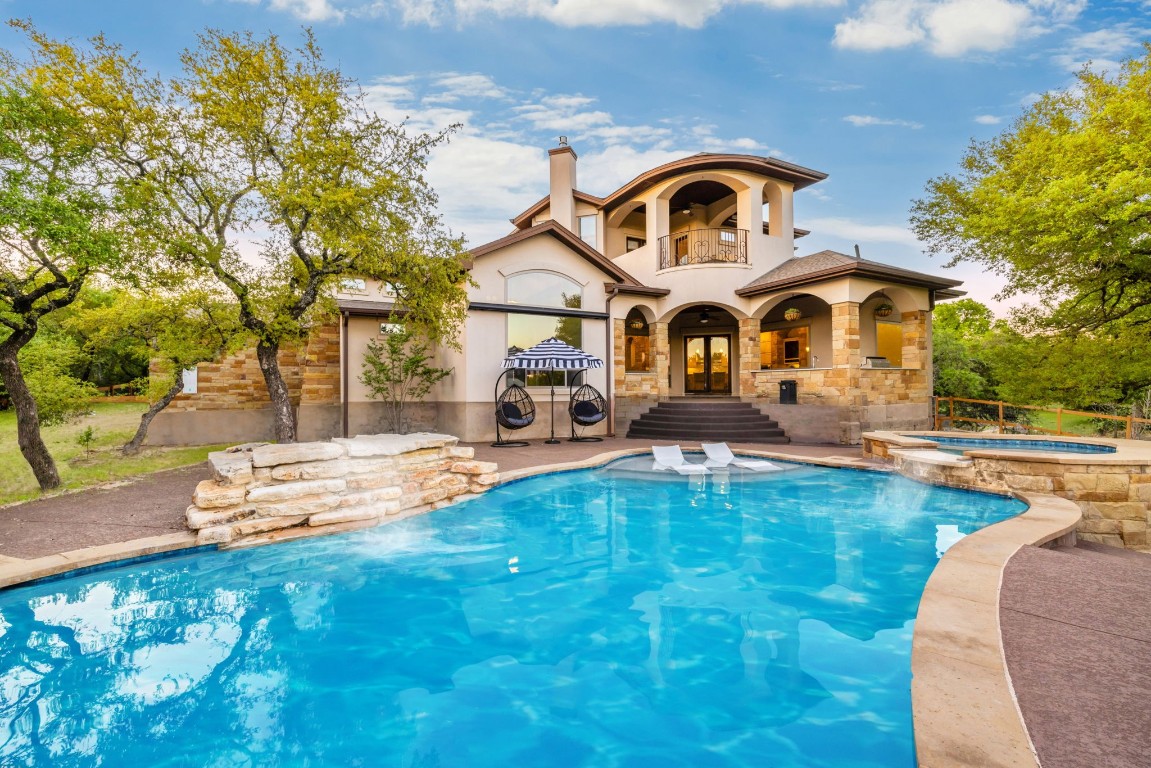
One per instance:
(551, 379)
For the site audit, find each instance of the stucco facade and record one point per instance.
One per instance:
(685, 282)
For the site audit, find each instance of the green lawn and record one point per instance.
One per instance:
(1083, 426)
(113, 424)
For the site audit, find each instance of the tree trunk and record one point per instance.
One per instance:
(283, 415)
(133, 446)
(27, 416)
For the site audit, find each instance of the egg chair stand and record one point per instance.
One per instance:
(515, 409)
(587, 407)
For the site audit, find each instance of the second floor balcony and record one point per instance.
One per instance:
(703, 246)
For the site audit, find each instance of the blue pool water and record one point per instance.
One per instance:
(594, 618)
(960, 444)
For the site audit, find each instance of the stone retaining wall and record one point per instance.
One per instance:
(1112, 492)
(266, 493)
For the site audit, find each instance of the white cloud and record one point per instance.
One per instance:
(580, 13)
(881, 24)
(988, 119)
(959, 26)
(951, 27)
(496, 165)
(1102, 48)
(863, 121)
(849, 229)
(308, 10)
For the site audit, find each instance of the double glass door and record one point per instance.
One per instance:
(707, 365)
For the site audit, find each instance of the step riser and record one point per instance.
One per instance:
(711, 420)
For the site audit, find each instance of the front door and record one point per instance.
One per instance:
(707, 365)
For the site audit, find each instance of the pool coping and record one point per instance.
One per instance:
(963, 705)
(1126, 451)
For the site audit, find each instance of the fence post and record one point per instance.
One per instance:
(1001, 417)
(1130, 427)
(1059, 420)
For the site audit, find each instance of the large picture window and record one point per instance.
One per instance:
(543, 289)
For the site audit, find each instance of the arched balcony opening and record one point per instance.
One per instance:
(703, 227)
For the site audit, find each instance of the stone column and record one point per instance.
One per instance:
(845, 348)
(748, 356)
(915, 339)
(661, 349)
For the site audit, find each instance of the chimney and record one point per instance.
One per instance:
(563, 184)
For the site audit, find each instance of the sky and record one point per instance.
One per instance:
(882, 95)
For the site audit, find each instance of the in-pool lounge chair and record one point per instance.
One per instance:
(719, 455)
(671, 457)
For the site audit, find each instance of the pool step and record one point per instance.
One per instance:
(709, 419)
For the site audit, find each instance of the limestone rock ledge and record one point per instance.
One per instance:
(265, 493)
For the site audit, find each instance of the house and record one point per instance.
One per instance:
(684, 280)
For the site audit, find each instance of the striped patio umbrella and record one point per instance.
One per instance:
(553, 355)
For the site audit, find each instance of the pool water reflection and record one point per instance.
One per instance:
(593, 618)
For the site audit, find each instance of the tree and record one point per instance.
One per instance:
(179, 330)
(1060, 205)
(260, 139)
(397, 372)
(60, 223)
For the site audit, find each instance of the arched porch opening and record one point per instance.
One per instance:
(703, 346)
(795, 332)
(889, 329)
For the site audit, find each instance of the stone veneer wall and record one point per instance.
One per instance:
(637, 391)
(1115, 498)
(266, 493)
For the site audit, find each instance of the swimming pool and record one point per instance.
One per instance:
(960, 444)
(590, 618)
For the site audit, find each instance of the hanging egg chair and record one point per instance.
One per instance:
(587, 408)
(515, 409)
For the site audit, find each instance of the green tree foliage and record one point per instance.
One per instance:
(61, 221)
(256, 142)
(960, 334)
(177, 331)
(397, 371)
(49, 363)
(1060, 205)
(282, 145)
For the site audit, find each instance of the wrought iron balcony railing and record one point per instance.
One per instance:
(703, 246)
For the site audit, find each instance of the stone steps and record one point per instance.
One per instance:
(708, 419)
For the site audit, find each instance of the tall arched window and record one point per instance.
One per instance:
(636, 343)
(543, 289)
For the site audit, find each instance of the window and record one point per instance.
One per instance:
(354, 285)
(634, 243)
(544, 289)
(786, 348)
(587, 230)
(637, 343)
(889, 342)
(525, 331)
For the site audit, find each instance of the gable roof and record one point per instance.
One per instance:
(826, 265)
(565, 236)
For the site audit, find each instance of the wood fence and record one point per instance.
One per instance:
(1132, 426)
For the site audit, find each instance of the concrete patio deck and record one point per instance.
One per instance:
(1074, 626)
